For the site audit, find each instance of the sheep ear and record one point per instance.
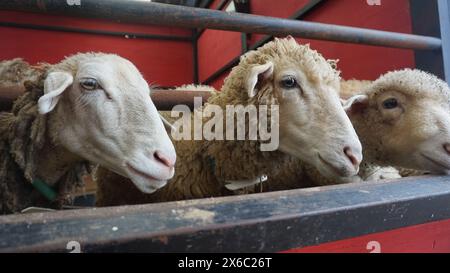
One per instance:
(258, 74)
(54, 86)
(355, 104)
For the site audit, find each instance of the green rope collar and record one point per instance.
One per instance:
(47, 191)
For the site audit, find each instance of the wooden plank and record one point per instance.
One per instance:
(164, 100)
(266, 222)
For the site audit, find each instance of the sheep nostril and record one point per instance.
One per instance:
(164, 159)
(348, 152)
(447, 147)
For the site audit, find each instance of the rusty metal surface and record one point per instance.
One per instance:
(163, 99)
(178, 16)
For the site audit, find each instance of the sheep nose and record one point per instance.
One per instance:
(348, 152)
(447, 148)
(167, 160)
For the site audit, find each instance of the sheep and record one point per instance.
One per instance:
(402, 120)
(404, 109)
(196, 87)
(90, 107)
(312, 127)
(17, 71)
(350, 87)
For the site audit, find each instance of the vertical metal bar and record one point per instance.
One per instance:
(205, 4)
(243, 6)
(195, 55)
(425, 21)
(444, 20)
(244, 47)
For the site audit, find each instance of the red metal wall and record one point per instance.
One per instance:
(163, 63)
(171, 62)
(356, 61)
(426, 238)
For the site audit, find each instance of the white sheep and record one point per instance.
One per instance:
(196, 87)
(402, 120)
(89, 107)
(17, 71)
(313, 127)
(351, 87)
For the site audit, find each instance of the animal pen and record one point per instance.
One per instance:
(410, 214)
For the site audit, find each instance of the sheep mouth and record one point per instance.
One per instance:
(342, 172)
(442, 165)
(144, 181)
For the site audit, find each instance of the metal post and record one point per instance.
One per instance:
(444, 19)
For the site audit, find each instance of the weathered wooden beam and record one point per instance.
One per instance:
(164, 99)
(266, 222)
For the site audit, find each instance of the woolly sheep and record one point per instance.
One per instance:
(196, 87)
(313, 128)
(402, 120)
(350, 88)
(89, 107)
(17, 71)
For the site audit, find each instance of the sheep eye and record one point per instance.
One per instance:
(289, 83)
(390, 103)
(89, 84)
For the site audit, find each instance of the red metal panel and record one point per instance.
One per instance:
(161, 62)
(219, 81)
(281, 9)
(426, 238)
(41, 19)
(215, 49)
(356, 61)
(215, 4)
(365, 62)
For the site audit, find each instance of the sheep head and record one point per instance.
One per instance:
(99, 108)
(403, 119)
(313, 125)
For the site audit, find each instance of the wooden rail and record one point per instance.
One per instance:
(163, 99)
(266, 222)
